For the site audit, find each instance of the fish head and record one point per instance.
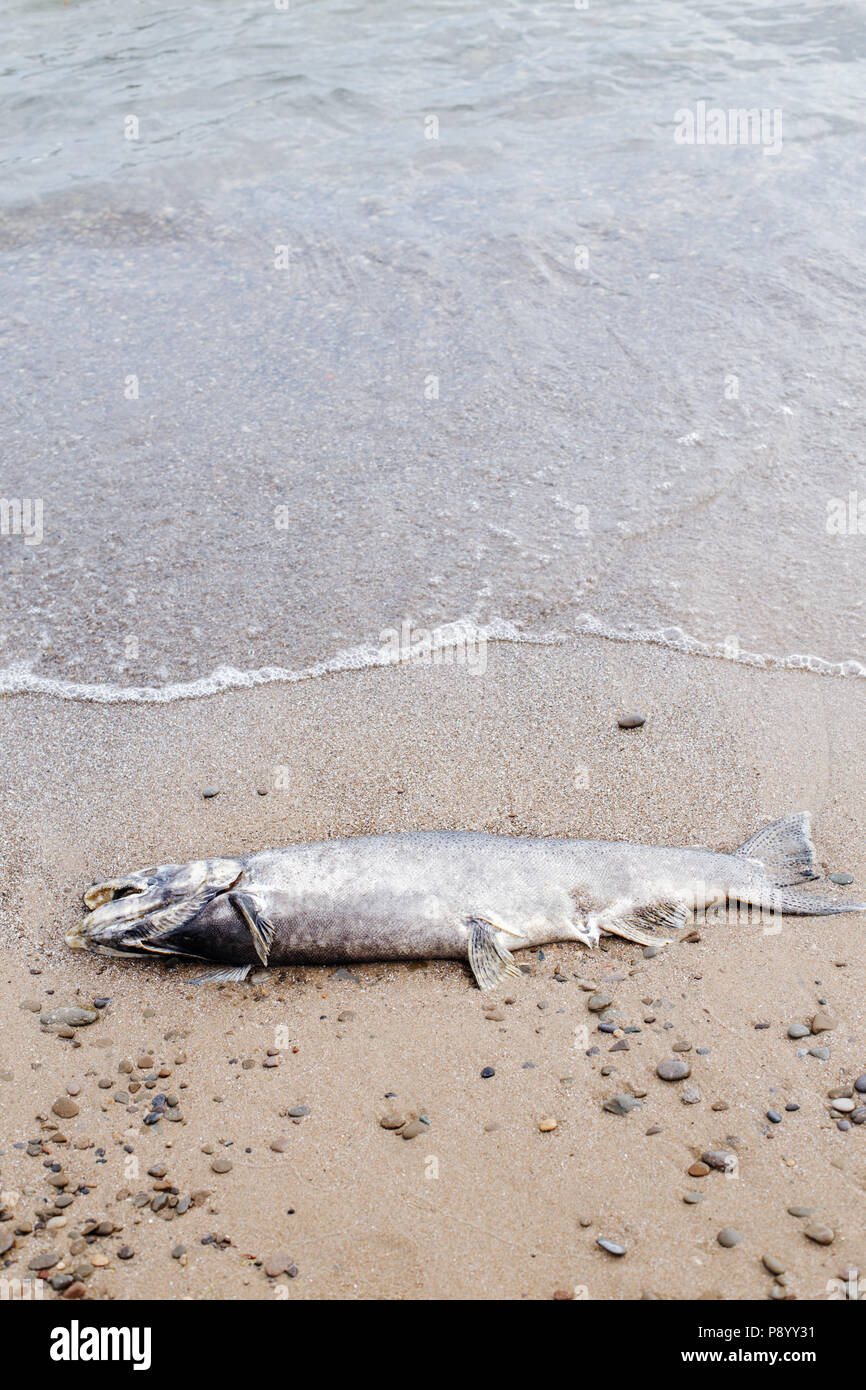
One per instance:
(132, 914)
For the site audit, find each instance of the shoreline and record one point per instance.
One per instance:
(532, 746)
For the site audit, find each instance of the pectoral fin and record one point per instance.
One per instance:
(261, 930)
(489, 961)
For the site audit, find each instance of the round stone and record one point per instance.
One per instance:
(673, 1069)
(65, 1107)
(729, 1236)
(631, 721)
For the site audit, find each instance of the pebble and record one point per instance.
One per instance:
(298, 1112)
(392, 1121)
(275, 1265)
(860, 1084)
(801, 1211)
(822, 1022)
(822, 1235)
(690, 1096)
(65, 1107)
(347, 1016)
(773, 1265)
(842, 879)
(631, 721)
(71, 1015)
(125, 1252)
(720, 1159)
(729, 1236)
(412, 1129)
(844, 1105)
(674, 1069)
(774, 1117)
(681, 1047)
(691, 1199)
(822, 1053)
(859, 1115)
(221, 1165)
(622, 1104)
(649, 952)
(798, 1030)
(208, 792)
(546, 1124)
(178, 1251)
(487, 1072)
(612, 1247)
(698, 1170)
(47, 1259)
(598, 1003)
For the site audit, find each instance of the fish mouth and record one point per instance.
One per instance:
(137, 913)
(115, 907)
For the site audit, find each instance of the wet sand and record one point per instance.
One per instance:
(463, 1210)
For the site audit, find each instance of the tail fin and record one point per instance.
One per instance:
(784, 849)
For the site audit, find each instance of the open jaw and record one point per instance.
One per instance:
(138, 912)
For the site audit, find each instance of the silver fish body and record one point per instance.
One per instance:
(448, 894)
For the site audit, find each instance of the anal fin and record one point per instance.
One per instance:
(490, 962)
(224, 975)
(261, 930)
(640, 923)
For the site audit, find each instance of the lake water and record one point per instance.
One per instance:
(319, 320)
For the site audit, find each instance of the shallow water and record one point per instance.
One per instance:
(547, 364)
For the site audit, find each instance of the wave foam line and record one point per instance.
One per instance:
(18, 679)
(681, 641)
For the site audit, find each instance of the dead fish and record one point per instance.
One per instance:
(448, 894)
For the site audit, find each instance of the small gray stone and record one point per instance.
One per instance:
(772, 1265)
(598, 1003)
(842, 879)
(720, 1159)
(673, 1069)
(70, 1015)
(622, 1104)
(729, 1236)
(612, 1247)
(631, 721)
(821, 1235)
(209, 792)
(822, 1053)
(798, 1030)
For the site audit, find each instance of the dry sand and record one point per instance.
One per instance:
(464, 1210)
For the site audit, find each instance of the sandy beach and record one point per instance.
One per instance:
(481, 1203)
